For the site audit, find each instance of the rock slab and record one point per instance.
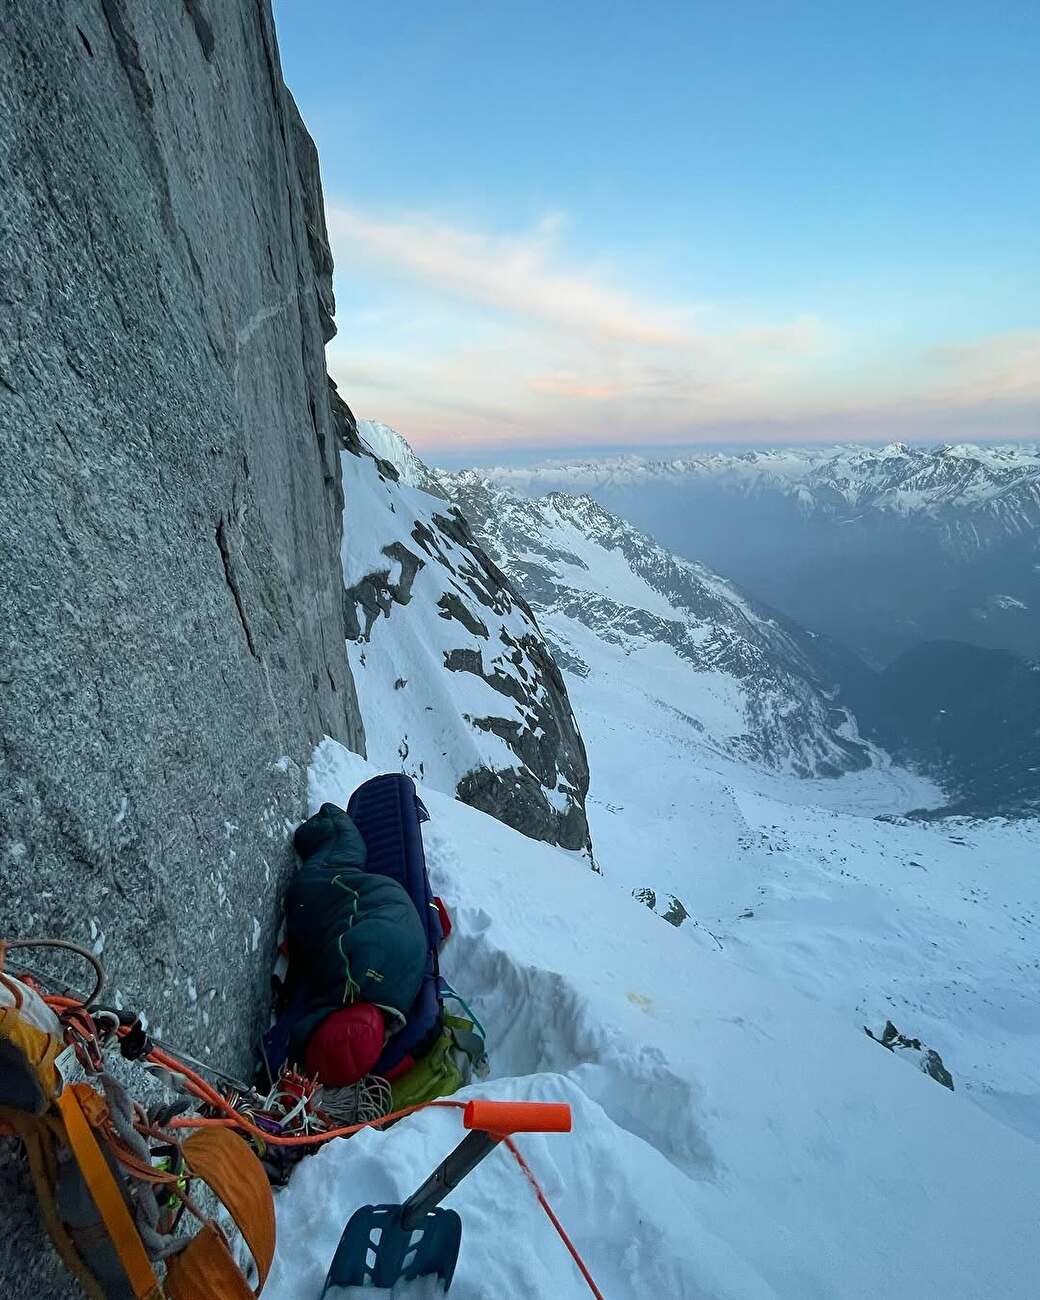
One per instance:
(170, 508)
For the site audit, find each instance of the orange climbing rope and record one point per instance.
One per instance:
(543, 1201)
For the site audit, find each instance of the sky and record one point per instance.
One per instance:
(597, 224)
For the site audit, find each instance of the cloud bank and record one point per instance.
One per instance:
(466, 337)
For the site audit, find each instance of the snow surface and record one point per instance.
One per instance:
(389, 445)
(420, 716)
(931, 924)
(735, 1135)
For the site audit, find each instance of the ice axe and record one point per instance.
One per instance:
(386, 1244)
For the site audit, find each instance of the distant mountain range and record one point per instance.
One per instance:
(763, 688)
(882, 548)
(510, 589)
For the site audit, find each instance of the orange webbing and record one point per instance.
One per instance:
(226, 1164)
(107, 1196)
(38, 1138)
(205, 1092)
(40, 1050)
(206, 1270)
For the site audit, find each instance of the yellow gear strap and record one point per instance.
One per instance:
(107, 1196)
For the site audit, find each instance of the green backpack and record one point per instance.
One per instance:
(454, 1060)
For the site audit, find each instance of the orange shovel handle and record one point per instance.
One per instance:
(504, 1117)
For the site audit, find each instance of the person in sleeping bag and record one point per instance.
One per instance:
(357, 951)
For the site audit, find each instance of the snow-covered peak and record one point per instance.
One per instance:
(387, 444)
(456, 685)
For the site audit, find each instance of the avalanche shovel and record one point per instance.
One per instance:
(385, 1244)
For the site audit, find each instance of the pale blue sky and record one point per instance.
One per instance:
(593, 223)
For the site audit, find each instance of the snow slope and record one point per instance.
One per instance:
(455, 684)
(604, 590)
(933, 925)
(734, 1136)
(389, 445)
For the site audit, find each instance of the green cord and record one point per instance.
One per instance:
(466, 1007)
(351, 989)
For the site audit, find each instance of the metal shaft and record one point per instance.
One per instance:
(447, 1176)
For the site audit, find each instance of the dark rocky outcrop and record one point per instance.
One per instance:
(170, 504)
(927, 1059)
(376, 593)
(516, 797)
(674, 912)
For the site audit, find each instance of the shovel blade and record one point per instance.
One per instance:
(375, 1250)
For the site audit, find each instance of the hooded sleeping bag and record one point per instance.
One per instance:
(353, 935)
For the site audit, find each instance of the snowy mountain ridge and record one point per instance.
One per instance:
(880, 548)
(387, 444)
(479, 708)
(584, 570)
(1000, 482)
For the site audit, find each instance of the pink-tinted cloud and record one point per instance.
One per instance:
(488, 338)
(999, 367)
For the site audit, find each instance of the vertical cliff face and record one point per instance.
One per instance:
(170, 500)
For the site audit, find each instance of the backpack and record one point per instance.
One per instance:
(96, 1181)
(449, 1065)
(389, 814)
